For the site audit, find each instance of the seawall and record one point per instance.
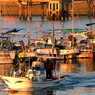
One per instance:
(11, 8)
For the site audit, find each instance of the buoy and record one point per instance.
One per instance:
(91, 55)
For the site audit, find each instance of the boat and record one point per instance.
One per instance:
(7, 55)
(5, 58)
(61, 47)
(22, 83)
(35, 78)
(68, 51)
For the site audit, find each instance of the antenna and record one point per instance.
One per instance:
(52, 38)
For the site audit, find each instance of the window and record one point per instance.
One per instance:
(50, 6)
(53, 6)
(56, 5)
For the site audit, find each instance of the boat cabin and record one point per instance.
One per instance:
(5, 43)
(40, 42)
(35, 74)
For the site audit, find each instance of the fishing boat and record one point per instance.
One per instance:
(21, 84)
(68, 51)
(7, 55)
(35, 78)
(5, 58)
(62, 47)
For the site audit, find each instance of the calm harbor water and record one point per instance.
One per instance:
(37, 24)
(80, 73)
(80, 79)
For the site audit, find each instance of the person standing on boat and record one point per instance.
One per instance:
(70, 38)
(42, 65)
(75, 40)
(49, 69)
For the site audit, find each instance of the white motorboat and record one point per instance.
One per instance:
(35, 78)
(34, 81)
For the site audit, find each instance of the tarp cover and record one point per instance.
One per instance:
(75, 31)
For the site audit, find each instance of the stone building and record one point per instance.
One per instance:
(51, 10)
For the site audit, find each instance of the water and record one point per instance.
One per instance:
(9, 23)
(80, 79)
(80, 73)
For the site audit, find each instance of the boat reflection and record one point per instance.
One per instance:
(6, 69)
(65, 66)
(36, 92)
(18, 93)
(76, 66)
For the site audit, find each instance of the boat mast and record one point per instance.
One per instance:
(28, 3)
(89, 14)
(73, 22)
(53, 39)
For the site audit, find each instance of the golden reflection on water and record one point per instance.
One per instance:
(65, 66)
(76, 66)
(6, 69)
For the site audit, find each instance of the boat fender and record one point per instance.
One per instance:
(55, 78)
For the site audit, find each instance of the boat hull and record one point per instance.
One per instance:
(68, 51)
(49, 83)
(6, 61)
(7, 57)
(58, 51)
(22, 84)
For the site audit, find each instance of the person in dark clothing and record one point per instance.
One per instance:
(75, 41)
(49, 69)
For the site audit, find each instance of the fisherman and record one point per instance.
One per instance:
(49, 68)
(20, 67)
(70, 38)
(42, 64)
(75, 40)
